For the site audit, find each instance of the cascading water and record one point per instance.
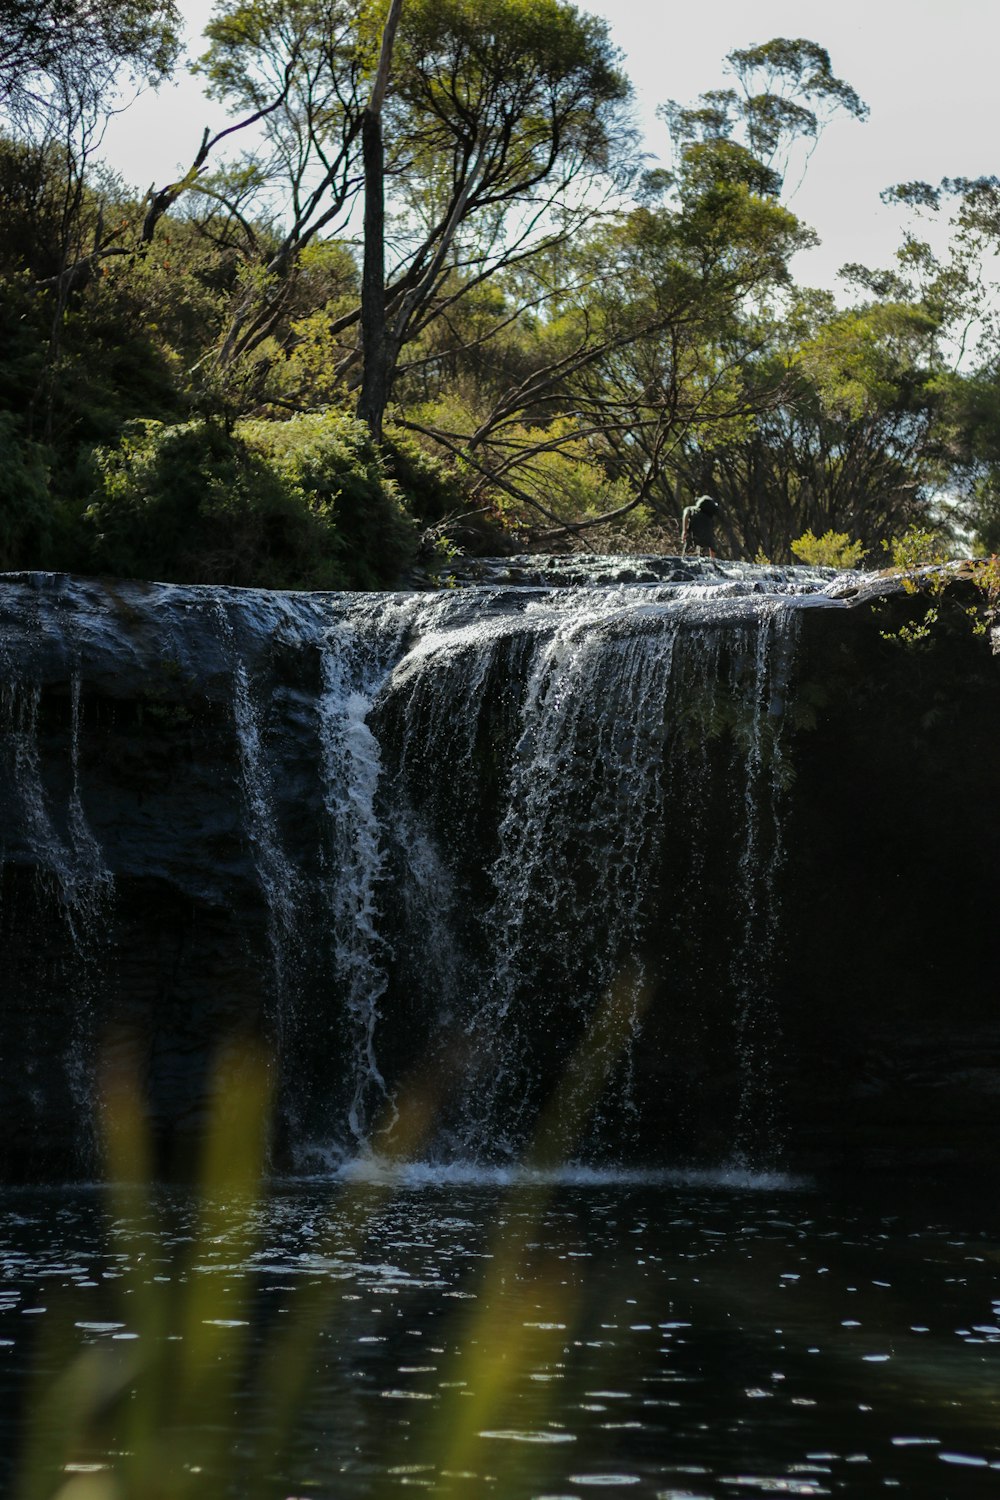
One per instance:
(276, 871)
(72, 860)
(595, 754)
(471, 817)
(758, 865)
(74, 887)
(357, 655)
(576, 835)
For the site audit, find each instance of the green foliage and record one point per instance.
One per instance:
(556, 474)
(986, 574)
(918, 555)
(984, 512)
(986, 577)
(190, 503)
(80, 361)
(575, 362)
(328, 462)
(914, 632)
(26, 511)
(33, 192)
(842, 432)
(298, 504)
(917, 547)
(971, 429)
(521, 69)
(785, 92)
(434, 491)
(59, 58)
(834, 549)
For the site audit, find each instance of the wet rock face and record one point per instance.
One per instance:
(891, 1037)
(398, 833)
(130, 905)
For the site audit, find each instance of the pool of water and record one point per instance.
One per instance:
(466, 1335)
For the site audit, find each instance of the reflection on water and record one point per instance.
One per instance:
(524, 1338)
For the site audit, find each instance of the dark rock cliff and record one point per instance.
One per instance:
(169, 847)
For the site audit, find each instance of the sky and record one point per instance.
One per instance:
(926, 68)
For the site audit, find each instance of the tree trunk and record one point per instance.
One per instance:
(375, 375)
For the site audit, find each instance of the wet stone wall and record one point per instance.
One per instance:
(721, 823)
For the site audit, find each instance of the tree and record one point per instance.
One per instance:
(303, 503)
(625, 370)
(57, 55)
(841, 434)
(641, 331)
(374, 388)
(962, 281)
(509, 115)
(785, 92)
(501, 116)
(62, 358)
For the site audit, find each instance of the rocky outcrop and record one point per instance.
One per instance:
(891, 1030)
(229, 811)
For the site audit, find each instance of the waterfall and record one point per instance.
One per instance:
(276, 871)
(469, 818)
(577, 833)
(74, 889)
(759, 861)
(71, 860)
(564, 736)
(357, 654)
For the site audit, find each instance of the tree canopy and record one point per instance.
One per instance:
(437, 216)
(57, 52)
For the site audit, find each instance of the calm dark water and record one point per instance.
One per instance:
(466, 1337)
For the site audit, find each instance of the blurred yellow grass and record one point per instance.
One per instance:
(165, 1389)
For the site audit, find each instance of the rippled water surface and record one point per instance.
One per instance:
(367, 1336)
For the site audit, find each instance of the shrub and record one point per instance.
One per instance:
(297, 504)
(919, 547)
(330, 462)
(918, 554)
(434, 490)
(834, 549)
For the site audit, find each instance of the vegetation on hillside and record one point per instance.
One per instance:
(448, 233)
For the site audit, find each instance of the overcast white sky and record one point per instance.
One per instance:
(927, 68)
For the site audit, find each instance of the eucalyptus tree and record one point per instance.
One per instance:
(512, 119)
(783, 93)
(65, 65)
(962, 278)
(877, 417)
(632, 354)
(499, 118)
(642, 328)
(685, 273)
(299, 68)
(374, 346)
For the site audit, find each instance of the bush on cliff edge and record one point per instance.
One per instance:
(303, 503)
